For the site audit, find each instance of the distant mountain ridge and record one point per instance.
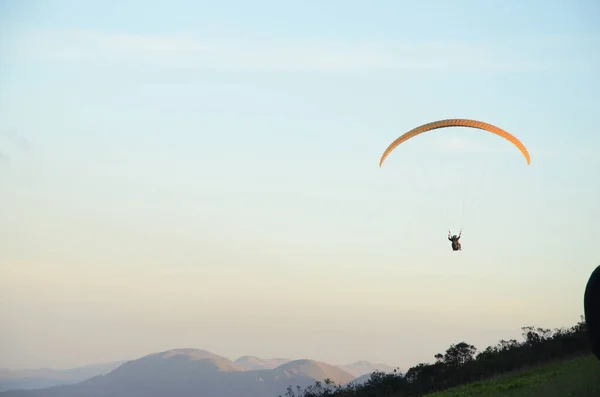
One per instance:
(252, 363)
(47, 377)
(362, 367)
(183, 372)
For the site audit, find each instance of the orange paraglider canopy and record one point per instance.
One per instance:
(456, 123)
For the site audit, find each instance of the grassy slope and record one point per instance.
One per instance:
(579, 377)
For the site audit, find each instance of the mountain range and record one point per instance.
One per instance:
(47, 377)
(182, 373)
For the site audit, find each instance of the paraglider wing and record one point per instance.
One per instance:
(456, 123)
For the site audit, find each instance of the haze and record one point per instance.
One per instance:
(203, 175)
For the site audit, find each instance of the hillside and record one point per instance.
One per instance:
(577, 377)
(462, 368)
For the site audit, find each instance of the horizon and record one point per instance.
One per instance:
(201, 174)
(232, 359)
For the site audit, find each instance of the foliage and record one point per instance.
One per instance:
(462, 364)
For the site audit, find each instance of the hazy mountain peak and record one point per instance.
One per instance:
(363, 367)
(316, 370)
(192, 354)
(251, 363)
(174, 364)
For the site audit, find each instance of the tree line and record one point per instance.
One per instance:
(461, 364)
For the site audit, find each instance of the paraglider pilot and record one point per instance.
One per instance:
(455, 243)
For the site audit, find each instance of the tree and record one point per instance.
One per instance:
(459, 354)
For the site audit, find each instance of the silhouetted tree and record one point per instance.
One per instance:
(459, 354)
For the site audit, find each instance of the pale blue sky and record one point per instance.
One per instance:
(194, 174)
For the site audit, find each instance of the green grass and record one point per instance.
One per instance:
(579, 377)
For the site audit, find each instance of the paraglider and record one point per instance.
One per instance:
(456, 246)
(455, 241)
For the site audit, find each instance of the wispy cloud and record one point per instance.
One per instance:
(244, 53)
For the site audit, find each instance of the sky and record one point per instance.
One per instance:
(203, 174)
